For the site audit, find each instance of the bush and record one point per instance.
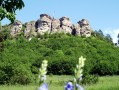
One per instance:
(61, 67)
(15, 75)
(22, 75)
(105, 68)
(90, 79)
(6, 73)
(62, 52)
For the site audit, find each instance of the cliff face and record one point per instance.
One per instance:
(16, 29)
(47, 24)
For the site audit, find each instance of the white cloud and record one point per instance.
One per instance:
(113, 33)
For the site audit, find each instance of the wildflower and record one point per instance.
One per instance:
(79, 87)
(78, 70)
(69, 86)
(43, 71)
(78, 73)
(43, 87)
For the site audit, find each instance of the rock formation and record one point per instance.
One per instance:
(82, 28)
(66, 25)
(85, 28)
(43, 25)
(47, 24)
(16, 29)
(30, 29)
(55, 26)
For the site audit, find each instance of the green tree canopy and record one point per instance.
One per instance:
(8, 8)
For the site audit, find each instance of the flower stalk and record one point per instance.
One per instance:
(78, 72)
(43, 72)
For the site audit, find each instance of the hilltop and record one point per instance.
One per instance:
(50, 25)
(24, 46)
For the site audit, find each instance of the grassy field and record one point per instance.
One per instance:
(105, 83)
(58, 82)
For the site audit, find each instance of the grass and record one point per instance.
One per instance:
(58, 82)
(105, 83)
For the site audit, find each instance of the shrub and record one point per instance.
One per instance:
(60, 67)
(21, 75)
(90, 79)
(6, 73)
(61, 51)
(105, 68)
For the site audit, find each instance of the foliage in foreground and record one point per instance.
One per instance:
(20, 59)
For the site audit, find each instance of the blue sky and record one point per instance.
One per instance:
(102, 14)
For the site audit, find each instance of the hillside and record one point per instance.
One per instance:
(50, 25)
(24, 46)
(20, 58)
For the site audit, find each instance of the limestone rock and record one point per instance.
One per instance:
(55, 26)
(47, 24)
(43, 25)
(45, 18)
(83, 22)
(66, 25)
(30, 29)
(83, 28)
(16, 29)
(76, 30)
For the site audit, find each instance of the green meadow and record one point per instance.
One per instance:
(58, 83)
(57, 47)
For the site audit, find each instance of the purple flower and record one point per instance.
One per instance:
(43, 87)
(69, 86)
(79, 87)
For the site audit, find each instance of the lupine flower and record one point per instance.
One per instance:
(43, 87)
(69, 86)
(79, 87)
(78, 73)
(42, 76)
(78, 70)
(43, 71)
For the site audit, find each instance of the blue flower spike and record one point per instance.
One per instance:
(79, 87)
(43, 87)
(69, 86)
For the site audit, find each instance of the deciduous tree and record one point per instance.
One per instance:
(8, 8)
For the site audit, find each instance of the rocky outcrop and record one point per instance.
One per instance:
(76, 30)
(30, 29)
(82, 28)
(16, 29)
(66, 25)
(55, 26)
(43, 25)
(47, 24)
(85, 28)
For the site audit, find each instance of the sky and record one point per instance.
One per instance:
(102, 14)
